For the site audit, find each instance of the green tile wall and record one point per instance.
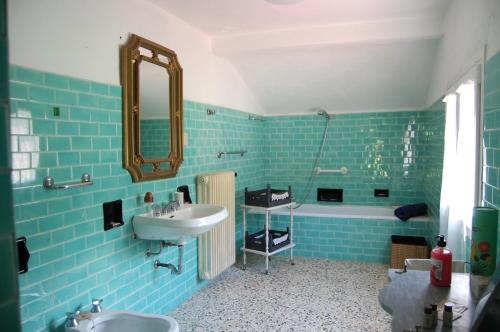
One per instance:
(358, 239)
(381, 150)
(73, 259)
(155, 138)
(491, 137)
(431, 138)
(401, 151)
(9, 294)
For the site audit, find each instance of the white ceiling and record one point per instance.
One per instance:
(342, 55)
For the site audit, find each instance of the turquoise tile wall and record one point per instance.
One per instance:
(357, 239)
(400, 151)
(9, 294)
(73, 259)
(491, 137)
(431, 138)
(155, 138)
(381, 150)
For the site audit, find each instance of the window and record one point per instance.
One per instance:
(459, 191)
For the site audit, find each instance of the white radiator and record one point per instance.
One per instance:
(217, 248)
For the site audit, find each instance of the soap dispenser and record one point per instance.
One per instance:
(441, 258)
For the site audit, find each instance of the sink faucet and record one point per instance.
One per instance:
(96, 306)
(72, 317)
(171, 206)
(157, 210)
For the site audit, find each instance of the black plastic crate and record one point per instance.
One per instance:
(268, 197)
(277, 239)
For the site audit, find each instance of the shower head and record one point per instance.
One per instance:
(321, 112)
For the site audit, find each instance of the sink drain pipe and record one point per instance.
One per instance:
(174, 269)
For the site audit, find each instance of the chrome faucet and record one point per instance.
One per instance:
(96, 306)
(157, 210)
(72, 317)
(170, 207)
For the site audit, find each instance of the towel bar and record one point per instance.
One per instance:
(241, 153)
(342, 170)
(48, 182)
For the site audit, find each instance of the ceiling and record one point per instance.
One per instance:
(341, 55)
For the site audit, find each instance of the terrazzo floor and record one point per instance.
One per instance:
(312, 295)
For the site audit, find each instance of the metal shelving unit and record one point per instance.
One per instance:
(266, 253)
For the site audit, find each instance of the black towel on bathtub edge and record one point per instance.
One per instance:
(406, 212)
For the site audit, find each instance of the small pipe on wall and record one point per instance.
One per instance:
(174, 269)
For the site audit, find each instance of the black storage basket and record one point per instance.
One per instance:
(268, 197)
(277, 239)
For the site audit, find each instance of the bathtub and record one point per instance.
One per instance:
(344, 211)
(347, 232)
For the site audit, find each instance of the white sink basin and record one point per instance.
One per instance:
(191, 220)
(125, 321)
(425, 265)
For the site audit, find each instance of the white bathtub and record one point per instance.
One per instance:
(344, 211)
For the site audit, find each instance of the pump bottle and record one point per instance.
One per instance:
(441, 264)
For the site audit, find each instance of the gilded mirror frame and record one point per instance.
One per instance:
(132, 54)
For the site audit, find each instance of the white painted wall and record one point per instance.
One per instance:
(82, 38)
(468, 26)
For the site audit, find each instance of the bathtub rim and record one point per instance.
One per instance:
(390, 217)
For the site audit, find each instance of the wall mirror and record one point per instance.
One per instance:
(152, 110)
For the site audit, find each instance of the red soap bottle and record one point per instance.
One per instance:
(441, 264)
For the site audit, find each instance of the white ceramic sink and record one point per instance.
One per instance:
(425, 265)
(191, 220)
(125, 321)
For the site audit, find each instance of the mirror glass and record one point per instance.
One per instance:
(152, 110)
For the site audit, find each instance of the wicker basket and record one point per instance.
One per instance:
(404, 247)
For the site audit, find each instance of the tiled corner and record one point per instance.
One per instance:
(431, 168)
(491, 137)
(9, 292)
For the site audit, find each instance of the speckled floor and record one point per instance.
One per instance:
(312, 295)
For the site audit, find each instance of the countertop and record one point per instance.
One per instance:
(408, 293)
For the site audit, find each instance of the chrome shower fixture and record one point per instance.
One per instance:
(314, 171)
(255, 118)
(321, 112)
(324, 114)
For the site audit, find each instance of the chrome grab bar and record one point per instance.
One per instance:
(342, 170)
(241, 153)
(48, 182)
